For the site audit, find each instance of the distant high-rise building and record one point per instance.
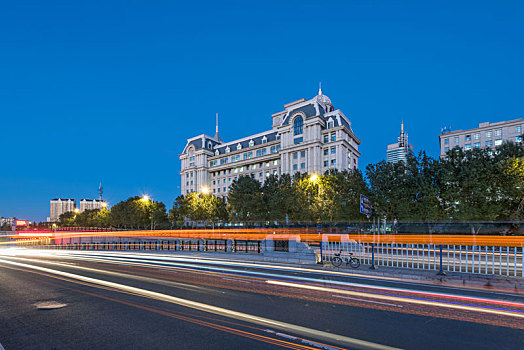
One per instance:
(399, 151)
(487, 135)
(60, 206)
(91, 204)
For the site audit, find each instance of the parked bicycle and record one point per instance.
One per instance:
(350, 260)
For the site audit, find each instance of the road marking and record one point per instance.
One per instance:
(235, 279)
(49, 305)
(364, 300)
(212, 309)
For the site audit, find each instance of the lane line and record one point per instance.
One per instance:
(364, 300)
(213, 309)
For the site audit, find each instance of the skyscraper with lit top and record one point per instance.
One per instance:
(399, 151)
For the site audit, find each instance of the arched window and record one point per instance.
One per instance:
(297, 126)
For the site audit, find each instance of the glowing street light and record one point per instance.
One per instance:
(145, 198)
(313, 178)
(77, 210)
(104, 204)
(204, 190)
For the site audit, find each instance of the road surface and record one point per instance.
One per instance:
(127, 300)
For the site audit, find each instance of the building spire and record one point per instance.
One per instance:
(319, 88)
(100, 191)
(217, 135)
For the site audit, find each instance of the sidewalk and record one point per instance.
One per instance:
(494, 283)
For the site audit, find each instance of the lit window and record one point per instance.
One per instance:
(217, 153)
(275, 162)
(297, 126)
(251, 143)
(498, 142)
(267, 173)
(254, 166)
(239, 147)
(476, 145)
(228, 149)
(267, 164)
(518, 139)
(275, 172)
(489, 133)
(467, 146)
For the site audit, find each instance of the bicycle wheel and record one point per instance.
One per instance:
(354, 263)
(337, 261)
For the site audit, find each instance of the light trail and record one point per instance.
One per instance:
(513, 313)
(165, 262)
(340, 339)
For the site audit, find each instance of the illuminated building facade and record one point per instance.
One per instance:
(92, 204)
(307, 136)
(60, 206)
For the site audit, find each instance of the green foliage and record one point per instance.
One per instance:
(245, 200)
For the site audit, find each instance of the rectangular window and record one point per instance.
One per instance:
(267, 173)
(489, 133)
(302, 165)
(219, 190)
(187, 183)
(456, 139)
(326, 138)
(218, 182)
(254, 166)
(187, 175)
(476, 145)
(241, 169)
(489, 143)
(224, 189)
(275, 172)
(302, 154)
(333, 137)
(275, 162)
(498, 132)
(273, 149)
(468, 138)
(498, 142)
(191, 164)
(446, 149)
(261, 174)
(259, 152)
(191, 159)
(333, 150)
(446, 141)
(326, 151)
(295, 167)
(326, 163)
(518, 129)
(248, 167)
(467, 146)
(518, 138)
(476, 136)
(333, 161)
(295, 155)
(298, 140)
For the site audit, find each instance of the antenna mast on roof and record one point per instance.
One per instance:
(319, 88)
(100, 191)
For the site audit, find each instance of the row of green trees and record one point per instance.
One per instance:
(479, 184)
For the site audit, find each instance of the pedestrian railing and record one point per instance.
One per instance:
(487, 260)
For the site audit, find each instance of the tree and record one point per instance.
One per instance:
(245, 199)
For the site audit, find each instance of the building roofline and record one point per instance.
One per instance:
(483, 125)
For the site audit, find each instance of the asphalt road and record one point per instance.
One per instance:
(122, 300)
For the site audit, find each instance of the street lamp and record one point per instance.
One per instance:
(77, 210)
(313, 177)
(204, 190)
(147, 201)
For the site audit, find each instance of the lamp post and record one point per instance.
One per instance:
(145, 199)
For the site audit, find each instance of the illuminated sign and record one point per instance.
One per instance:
(21, 222)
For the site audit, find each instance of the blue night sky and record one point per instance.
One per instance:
(111, 90)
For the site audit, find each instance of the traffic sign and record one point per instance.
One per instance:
(365, 205)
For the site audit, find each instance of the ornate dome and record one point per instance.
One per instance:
(323, 99)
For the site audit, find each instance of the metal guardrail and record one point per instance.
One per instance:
(486, 260)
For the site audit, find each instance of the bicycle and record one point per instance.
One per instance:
(351, 261)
